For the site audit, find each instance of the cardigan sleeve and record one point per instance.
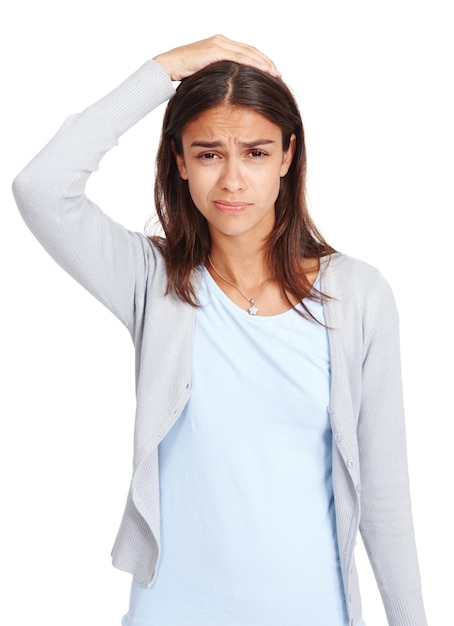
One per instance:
(386, 520)
(99, 253)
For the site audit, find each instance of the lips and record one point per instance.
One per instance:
(230, 207)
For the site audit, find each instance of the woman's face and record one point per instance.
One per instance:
(233, 161)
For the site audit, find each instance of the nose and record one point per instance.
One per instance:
(232, 178)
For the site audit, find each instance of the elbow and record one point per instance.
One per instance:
(30, 191)
(23, 189)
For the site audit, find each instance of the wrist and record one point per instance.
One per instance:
(165, 63)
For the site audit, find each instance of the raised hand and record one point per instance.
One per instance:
(186, 60)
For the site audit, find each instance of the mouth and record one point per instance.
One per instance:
(230, 207)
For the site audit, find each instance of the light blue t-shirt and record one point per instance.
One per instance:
(247, 514)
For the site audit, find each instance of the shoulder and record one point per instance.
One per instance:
(341, 273)
(357, 293)
(340, 264)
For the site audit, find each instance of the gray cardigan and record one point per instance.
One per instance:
(127, 273)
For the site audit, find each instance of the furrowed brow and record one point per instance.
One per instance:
(206, 144)
(243, 144)
(255, 143)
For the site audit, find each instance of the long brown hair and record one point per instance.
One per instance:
(187, 239)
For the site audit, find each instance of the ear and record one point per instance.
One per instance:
(179, 159)
(288, 156)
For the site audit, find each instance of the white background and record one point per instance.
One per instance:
(374, 81)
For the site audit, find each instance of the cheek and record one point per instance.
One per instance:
(273, 186)
(195, 186)
(198, 190)
(200, 182)
(262, 182)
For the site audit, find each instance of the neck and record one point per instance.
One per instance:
(245, 267)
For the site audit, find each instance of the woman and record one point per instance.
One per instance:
(268, 376)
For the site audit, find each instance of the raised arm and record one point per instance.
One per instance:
(108, 260)
(100, 254)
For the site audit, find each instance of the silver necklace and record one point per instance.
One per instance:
(252, 309)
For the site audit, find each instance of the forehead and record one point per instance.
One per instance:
(231, 121)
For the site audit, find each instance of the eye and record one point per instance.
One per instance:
(257, 154)
(208, 156)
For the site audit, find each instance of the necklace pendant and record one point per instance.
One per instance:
(253, 310)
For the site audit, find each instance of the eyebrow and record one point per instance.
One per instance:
(219, 144)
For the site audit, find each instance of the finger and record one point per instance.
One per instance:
(185, 60)
(245, 54)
